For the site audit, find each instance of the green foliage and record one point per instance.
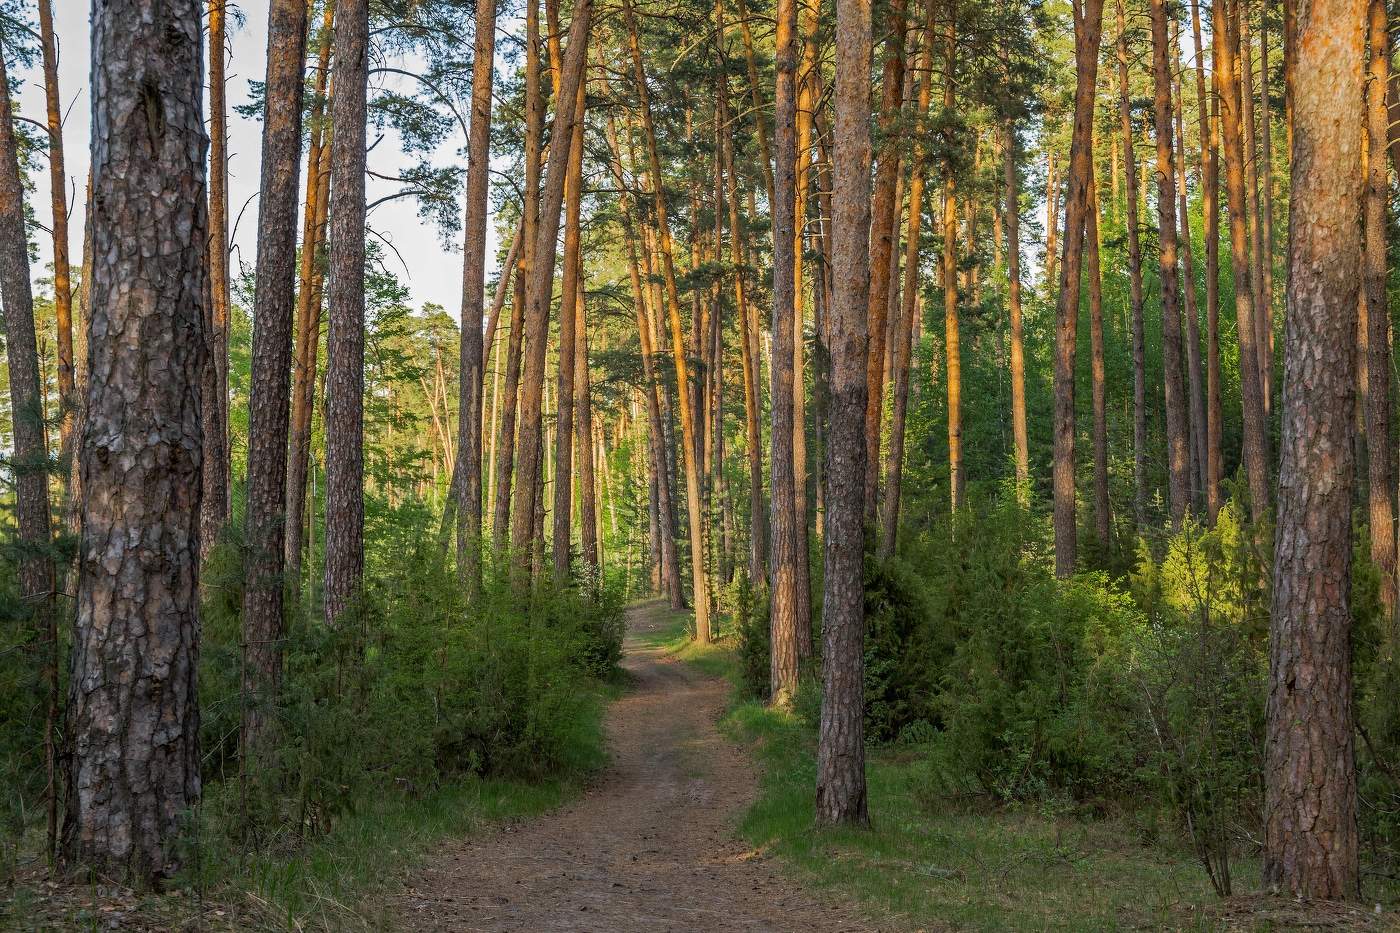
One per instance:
(750, 614)
(414, 690)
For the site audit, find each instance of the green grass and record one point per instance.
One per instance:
(936, 864)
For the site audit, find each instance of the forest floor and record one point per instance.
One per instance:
(652, 846)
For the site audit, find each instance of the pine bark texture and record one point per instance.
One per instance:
(133, 718)
(1310, 844)
(1087, 31)
(310, 286)
(265, 521)
(345, 341)
(215, 386)
(1377, 191)
(1178, 442)
(539, 289)
(782, 612)
(58, 213)
(1255, 411)
(1130, 194)
(841, 787)
(472, 359)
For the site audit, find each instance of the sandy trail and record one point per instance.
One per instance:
(650, 847)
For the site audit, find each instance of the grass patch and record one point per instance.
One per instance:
(937, 864)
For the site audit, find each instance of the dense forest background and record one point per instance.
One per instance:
(394, 552)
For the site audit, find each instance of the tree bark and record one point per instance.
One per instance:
(1178, 443)
(1210, 194)
(841, 787)
(904, 333)
(952, 346)
(214, 504)
(783, 605)
(471, 367)
(583, 435)
(1130, 193)
(133, 716)
(1087, 33)
(1255, 412)
(1018, 352)
(29, 458)
(311, 281)
(884, 213)
(265, 515)
(58, 212)
(568, 351)
(1377, 191)
(345, 342)
(539, 289)
(1310, 839)
(1195, 387)
(1103, 517)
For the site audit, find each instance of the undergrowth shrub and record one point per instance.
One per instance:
(412, 689)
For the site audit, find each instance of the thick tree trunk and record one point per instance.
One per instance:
(1130, 193)
(1087, 32)
(133, 716)
(1310, 832)
(1377, 192)
(783, 605)
(841, 788)
(345, 341)
(264, 584)
(1255, 411)
(214, 505)
(1178, 441)
(472, 361)
(310, 285)
(884, 220)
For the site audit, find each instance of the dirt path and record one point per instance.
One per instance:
(651, 847)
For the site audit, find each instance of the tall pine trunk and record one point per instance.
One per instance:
(1178, 441)
(214, 505)
(345, 341)
(783, 605)
(310, 285)
(1087, 33)
(841, 786)
(1255, 411)
(1130, 222)
(1377, 192)
(271, 371)
(134, 769)
(471, 354)
(1310, 831)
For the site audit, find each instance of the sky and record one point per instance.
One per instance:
(431, 271)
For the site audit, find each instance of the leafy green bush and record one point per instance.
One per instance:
(755, 639)
(412, 689)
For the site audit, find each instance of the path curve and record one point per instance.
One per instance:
(651, 847)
